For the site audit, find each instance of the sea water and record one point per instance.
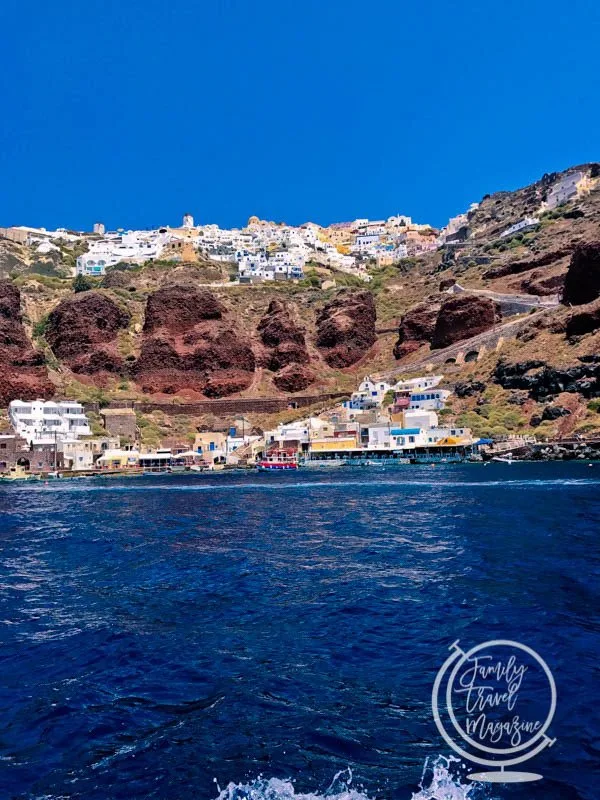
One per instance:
(276, 636)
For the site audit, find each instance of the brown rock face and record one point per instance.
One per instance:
(346, 327)
(178, 308)
(23, 375)
(416, 328)
(584, 321)
(82, 331)
(279, 325)
(542, 284)
(283, 338)
(293, 378)
(462, 317)
(188, 343)
(582, 281)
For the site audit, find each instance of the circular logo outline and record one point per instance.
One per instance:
(457, 653)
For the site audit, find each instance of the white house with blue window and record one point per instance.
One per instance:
(432, 400)
(369, 395)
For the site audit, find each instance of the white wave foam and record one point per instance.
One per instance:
(439, 781)
(281, 487)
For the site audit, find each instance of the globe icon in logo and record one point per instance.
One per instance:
(493, 705)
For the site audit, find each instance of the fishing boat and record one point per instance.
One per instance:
(19, 473)
(278, 460)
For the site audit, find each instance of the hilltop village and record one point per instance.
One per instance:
(268, 251)
(178, 338)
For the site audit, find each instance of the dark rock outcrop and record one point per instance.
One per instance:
(468, 389)
(462, 317)
(582, 281)
(554, 412)
(189, 343)
(542, 381)
(346, 327)
(284, 339)
(23, 375)
(417, 327)
(83, 329)
(279, 325)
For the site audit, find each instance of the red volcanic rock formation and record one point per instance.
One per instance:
(189, 343)
(23, 375)
(279, 325)
(417, 327)
(582, 281)
(178, 308)
(462, 317)
(82, 331)
(284, 339)
(293, 378)
(346, 327)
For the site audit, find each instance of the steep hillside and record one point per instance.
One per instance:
(166, 330)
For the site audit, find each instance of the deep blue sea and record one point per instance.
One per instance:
(188, 636)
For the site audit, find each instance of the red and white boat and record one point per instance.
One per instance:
(277, 460)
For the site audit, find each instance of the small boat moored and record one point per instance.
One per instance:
(278, 460)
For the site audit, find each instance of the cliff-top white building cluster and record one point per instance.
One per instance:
(261, 251)
(269, 251)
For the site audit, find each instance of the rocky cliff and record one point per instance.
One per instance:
(417, 327)
(191, 344)
(462, 317)
(23, 374)
(154, 329)
(83, 332)
(346, 328)
(440, 322)
(285, 349)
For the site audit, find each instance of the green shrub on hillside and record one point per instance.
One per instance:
(40, 327)
(81, 283)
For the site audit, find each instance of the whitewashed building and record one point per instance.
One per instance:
(566, 188)
(525, 224)
(133, 247)
(47, 422)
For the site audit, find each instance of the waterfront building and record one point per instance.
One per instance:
(16, 452)
(417, 384)
(118, 458)
(48, 422)
(212, 446)
(81, 454)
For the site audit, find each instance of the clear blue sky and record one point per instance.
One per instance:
(135, 111)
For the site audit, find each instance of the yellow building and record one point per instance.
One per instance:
(180, 250)
(325, 445)
(210, 444)
(118, 459)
